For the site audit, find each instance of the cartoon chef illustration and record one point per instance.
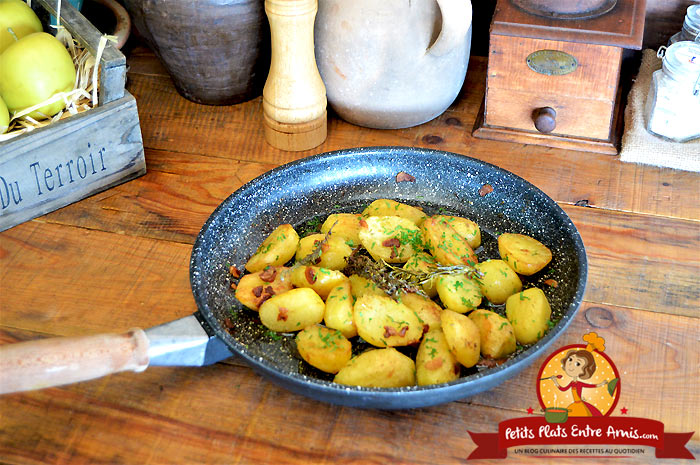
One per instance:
(580, 365)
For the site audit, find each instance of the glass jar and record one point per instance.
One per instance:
(691, 26)
(672, 108)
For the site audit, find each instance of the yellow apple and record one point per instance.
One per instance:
(32, 70)
(17, 15)
(4, 117)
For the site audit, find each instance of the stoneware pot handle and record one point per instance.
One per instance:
(456, 20)
(56, 361)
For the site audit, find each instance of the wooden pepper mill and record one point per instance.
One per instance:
(294, 97)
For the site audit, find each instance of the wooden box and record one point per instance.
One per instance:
(54, 166)
(556, 82)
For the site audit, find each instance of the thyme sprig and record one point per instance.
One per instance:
(315, 256)
(422, 277)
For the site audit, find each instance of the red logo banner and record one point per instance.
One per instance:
(584, 430)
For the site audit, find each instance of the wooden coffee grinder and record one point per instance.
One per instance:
(554, 72)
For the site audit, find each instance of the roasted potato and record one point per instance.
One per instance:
(528, 311)
(292, 311)
(464, 227)
(428, 311)
(498, 281)
(255, 288)
(387, 207)
(334, 252)
(383, 322)
(423, 263)
(496, 333)
(276, 250)
(524, 254)
(339, 305)
(462, 337)
(345, 225)
(434, 362)
(360, 286)
(323, 348)
(458, 292)
(390, 238)
(445, 244)
(383, 368)
(321, 280)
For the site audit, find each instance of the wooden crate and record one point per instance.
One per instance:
(51, 167)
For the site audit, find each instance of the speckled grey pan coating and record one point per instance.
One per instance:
(347, 180)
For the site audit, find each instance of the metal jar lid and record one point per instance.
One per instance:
(681, 61)
(691, 24)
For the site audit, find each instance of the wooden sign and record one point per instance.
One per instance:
(69, 160)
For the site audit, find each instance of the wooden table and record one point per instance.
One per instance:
(120, 259)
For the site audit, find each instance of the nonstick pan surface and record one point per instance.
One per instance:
(346, 181)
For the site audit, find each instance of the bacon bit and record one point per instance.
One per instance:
(264, 298)
(403, 176)
(551, 282)
(235, 272)
(234, 286)
(282, 314)
(490, 362)
(393, 242)
(390, 331)
(257, 291)
(363, 223)
(426, 328)
(270, 290)
(268, 274)
(309, 274)
(485, 190)
(434, 364)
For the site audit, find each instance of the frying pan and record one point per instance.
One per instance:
(312, 188)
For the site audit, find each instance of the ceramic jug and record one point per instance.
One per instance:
(216, 51)
(392, 63)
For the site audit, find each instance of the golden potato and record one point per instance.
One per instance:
(529, 312)
(423, 263)
(383, 322)
(462, 337)
(321, 280)
(360, 286)
(496, 333)
(339, 304)
(387, 207)
(524, 254)
(334, 252)
(382, 368)
(464, 227)
(276, 250)
(498, 281)
(323, 348)
(292, 311)
(458, 292)
(390, 238)
(345, 225)
(435, 363)
(255, 288)
(428, 312)
(445, 244)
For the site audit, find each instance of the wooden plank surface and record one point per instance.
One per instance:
(120, 259)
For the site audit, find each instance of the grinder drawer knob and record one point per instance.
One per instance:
(545, 119)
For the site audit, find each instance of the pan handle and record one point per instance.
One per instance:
(56, 361)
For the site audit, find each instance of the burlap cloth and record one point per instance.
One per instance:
(638, 145)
